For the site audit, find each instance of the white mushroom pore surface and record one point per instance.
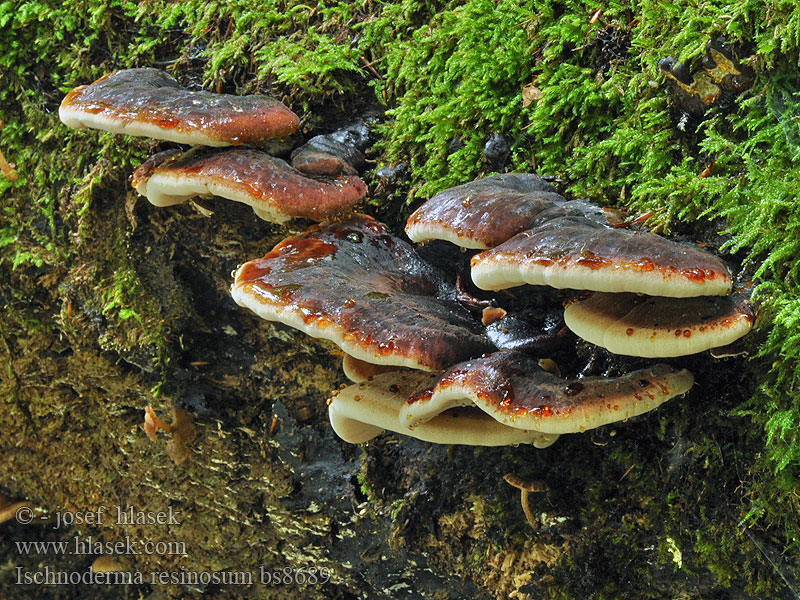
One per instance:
(362, 411)
(655, 327)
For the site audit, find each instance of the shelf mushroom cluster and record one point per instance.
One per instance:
(650, 296)
(398, 320)
(148, 102)
(420, 363)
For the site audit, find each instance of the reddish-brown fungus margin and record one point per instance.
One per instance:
(362, 411)
(483, 213)
(500, 399)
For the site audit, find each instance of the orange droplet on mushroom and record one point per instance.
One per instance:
(363, 411)
(659, 327)
(483, 213)
(580, 253)
(276, 191)
(370, 293)
(515, 391)
(150, 103)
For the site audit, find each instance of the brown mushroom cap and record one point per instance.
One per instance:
(276, 191)
(659, 327)
(370, 293)
(340, 152)
(9, 508)
(320, 163)
(580, 253)
(512, 388)
(150, 103)
(363, 411)
(483, 213)
(105, 564)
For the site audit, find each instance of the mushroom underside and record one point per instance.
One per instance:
(276, 191)
(485, 400)
(654, 327)
(362, 411)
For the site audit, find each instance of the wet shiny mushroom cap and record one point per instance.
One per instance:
(370, 293)
(150, 103)
(513, 389)
(363, 411)
(580, 253)
(659, 327)
(483, 213)
(340, 152)
(276, 191)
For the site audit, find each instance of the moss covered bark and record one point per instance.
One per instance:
(110, 304)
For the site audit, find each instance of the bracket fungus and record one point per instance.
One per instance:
(579, 253)
(363, 411)
(654, 327)
(276, 191)
(516, 391)
(358, 370)
(499, 399)
(353, 283)
(370, 293)
(340, 152)
(483, 213)
(151, 103)
(536, 236)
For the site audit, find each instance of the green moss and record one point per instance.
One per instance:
(367, 489)
(308, 49)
